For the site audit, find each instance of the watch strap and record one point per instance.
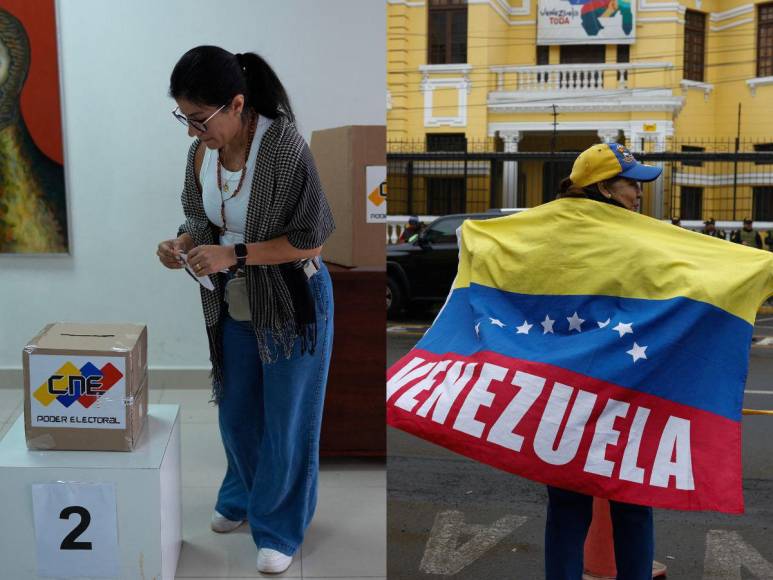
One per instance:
(241, 255)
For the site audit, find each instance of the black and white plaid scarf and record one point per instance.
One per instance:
(286, 198)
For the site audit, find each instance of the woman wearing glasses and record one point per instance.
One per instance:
(256, 219)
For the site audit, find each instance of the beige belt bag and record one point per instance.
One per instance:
(236, 292)
(236, 298)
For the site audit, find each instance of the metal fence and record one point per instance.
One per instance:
(720, 179)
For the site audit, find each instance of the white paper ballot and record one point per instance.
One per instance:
(76, 530)
(203, 280)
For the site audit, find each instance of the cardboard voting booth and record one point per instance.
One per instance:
(86, 387)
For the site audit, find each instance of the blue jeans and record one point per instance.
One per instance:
(568, 520)
(270, 418)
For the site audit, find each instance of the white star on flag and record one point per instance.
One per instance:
(605, 323)
(524, 328)
(624, 329)
(547, 325)
(575, 322)
(477, 330)
(637, 352)
(497, 322)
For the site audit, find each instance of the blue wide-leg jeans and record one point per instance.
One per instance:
(270, 417)
(568, 520)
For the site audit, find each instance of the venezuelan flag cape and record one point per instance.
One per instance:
(591, 348)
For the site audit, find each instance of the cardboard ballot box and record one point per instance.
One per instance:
(351, 162)
(86, 387)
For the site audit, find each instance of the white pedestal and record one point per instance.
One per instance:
(147, 488)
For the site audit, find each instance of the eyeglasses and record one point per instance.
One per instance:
(200, 126)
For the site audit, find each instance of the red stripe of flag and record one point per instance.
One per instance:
(569, 430)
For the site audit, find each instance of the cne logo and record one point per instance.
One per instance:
(84, 385)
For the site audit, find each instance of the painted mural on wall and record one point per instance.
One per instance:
(33, 209)
(586, 22)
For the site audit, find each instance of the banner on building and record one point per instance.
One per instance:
(586, 22)
(610, 361)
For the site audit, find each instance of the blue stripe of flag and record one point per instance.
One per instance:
(697, 354)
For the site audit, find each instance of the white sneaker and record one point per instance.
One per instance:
(273, 562)
(222, 524)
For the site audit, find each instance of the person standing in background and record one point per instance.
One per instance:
(747, 236)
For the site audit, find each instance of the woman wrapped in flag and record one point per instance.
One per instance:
(596, 350)
(606, 173)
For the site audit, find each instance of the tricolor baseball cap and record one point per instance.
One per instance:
(608, 160)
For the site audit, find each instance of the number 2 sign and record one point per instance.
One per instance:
(76, 529)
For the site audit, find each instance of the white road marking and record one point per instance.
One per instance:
(727, 553)
(758, 392)
(443, 555)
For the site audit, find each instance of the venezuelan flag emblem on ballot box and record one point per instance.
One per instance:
(591, 348)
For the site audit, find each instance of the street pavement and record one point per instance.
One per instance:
(451, 517)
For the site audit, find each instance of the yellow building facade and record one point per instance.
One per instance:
(512, 95)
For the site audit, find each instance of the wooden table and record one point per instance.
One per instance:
(354, 418)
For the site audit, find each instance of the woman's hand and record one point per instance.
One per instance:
(207, 260)
(169, 252)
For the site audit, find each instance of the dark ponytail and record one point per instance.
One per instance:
(265, 92)
(567, 189)
(210, 75)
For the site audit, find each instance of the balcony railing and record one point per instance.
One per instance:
(570, 77)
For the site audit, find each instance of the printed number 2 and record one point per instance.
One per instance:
(69, 542)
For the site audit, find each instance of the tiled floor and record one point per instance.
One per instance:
(346, 540)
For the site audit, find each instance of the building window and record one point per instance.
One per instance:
(543, 55)
(692, 148)
(447, 32)
(691, 203)
(446, 142)
(762, 204)
(763, 148)
(543, 59)
(446, 195)
(765, 40)
(623, 57)
(583, 54)
(694, 45)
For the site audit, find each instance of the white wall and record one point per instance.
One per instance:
(125, 153)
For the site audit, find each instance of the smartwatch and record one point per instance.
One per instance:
(241, 255)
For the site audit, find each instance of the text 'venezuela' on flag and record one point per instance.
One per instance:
(595, 349)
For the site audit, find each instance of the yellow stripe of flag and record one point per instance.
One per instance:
(583, 247)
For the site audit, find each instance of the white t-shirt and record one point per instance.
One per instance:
(235, 207)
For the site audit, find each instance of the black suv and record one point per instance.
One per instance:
(423, 270)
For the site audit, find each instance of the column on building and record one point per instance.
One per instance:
(510, 169)
(659, 185)
(634, 140)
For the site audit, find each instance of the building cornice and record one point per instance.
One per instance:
(595, 102)
(646, 6)
(731, 25)
(687, 84)
(630, 128)
(461, 68)
(758, 82)
(417, 4)
(504, 9)
(732, 13)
